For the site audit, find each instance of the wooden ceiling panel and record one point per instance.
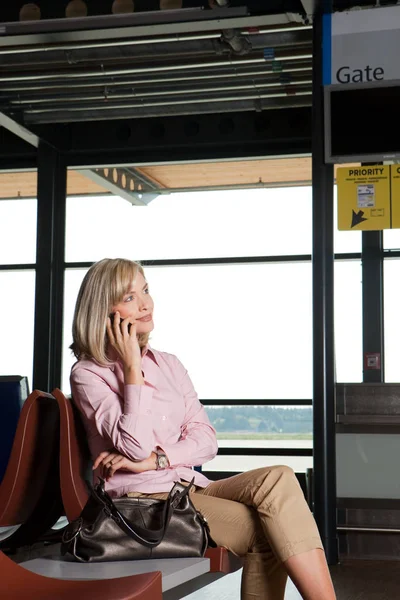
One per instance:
(279, 172)
(270, 172)
(24, 185)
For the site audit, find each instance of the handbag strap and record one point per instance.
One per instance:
(147, 537)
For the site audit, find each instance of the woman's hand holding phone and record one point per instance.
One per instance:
(123, 338)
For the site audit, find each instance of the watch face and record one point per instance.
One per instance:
(162, 461)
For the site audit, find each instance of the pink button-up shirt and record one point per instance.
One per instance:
(135, 419)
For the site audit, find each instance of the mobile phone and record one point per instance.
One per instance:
(112, 321)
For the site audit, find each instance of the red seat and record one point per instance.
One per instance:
(74, 458)
(17, 583)
(29, 491)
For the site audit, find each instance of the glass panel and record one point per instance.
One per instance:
(365, 464)
(278, 342)
(391, 239)
(392, 319)
(17, 231)
(344, 241)
(191, 225)
(348, 321)
(17, 306)
(242, 331)
(72, 282)
(262, 426)
(299, 464)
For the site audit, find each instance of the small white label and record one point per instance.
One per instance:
(366, 196)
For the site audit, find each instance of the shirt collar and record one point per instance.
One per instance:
(148, 351)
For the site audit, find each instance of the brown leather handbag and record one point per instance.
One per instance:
(137, 528)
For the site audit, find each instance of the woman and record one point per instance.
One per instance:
(147, 429)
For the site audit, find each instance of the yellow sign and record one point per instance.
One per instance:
(364, 198)
(395, 196)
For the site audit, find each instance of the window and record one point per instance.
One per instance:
(17, 231)
(242, 331)
(17, 301)
(72, 281)
(344, 241)
(299, 464)
(391, 239)
(348, 321)
(263, 427)
(191, 225)
(392, 320)
(17, 309)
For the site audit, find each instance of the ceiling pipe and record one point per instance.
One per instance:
(281, 55)
(136, 41)
(307, 91)
(115, 43)
(234, 72)
(231, 42)
(107, 95)
(259, 105)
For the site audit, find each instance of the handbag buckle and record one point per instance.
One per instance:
(66, 539)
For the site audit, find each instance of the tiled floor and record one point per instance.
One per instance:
(353, 580)
(228, 588)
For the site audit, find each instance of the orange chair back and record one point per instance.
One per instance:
(32, 457)
(74, 457)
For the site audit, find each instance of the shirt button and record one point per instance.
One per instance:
(164, 418)
(148, 412)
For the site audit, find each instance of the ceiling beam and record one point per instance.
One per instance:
(19, 130)
(106, 27)
(124, 182)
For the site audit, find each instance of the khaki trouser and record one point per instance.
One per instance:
(262, 516)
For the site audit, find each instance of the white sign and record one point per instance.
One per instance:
(362, 46)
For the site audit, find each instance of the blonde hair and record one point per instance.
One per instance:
(103, 286)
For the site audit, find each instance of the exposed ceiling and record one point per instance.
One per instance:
(194, 65)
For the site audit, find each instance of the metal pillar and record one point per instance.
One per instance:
(372, 299)
(49, 295)
(324, 476)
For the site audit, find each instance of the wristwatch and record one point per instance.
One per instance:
(162, 461)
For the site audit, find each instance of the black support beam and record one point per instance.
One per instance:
(235, 135)
(49, 295)
(15, 153)
(280, 132)
(324, 479)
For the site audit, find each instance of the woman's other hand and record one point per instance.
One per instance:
(111, 461)
(124, 340)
